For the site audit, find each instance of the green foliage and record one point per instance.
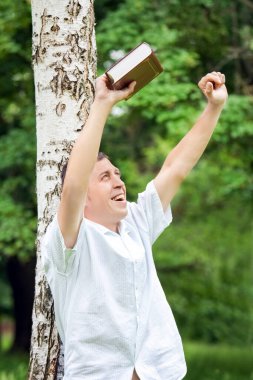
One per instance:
(205, 264)
(163, 111)
(18, 229)
(103, 7)
(205, 260)
(6, 304)
(17, 144)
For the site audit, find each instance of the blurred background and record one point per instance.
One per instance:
(205, 258)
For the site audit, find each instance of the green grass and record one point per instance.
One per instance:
(204, 362)
(13, 366)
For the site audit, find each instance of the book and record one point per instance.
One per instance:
(140, 65)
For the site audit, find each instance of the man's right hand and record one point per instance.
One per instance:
(106, 94)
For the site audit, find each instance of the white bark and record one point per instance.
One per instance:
(64, 59)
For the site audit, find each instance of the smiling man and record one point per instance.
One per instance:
(106, 197)
(111, 312)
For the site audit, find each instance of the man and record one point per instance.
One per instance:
(111, 312)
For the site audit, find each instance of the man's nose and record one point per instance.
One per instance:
(118, 181)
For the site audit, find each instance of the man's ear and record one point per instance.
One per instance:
(86, 205)
(87, 202)
(87, 197)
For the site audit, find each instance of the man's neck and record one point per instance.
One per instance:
(110, 226)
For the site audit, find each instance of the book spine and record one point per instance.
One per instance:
(156, 62)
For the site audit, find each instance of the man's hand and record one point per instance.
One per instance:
(213, 87)
(105, 93)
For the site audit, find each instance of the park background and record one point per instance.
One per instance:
(205, 258)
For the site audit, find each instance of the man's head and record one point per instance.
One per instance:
(106, 196)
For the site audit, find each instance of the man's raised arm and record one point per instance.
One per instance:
(188, 151)
(83, 158)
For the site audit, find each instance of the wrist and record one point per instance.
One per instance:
(102, 105)
(215, 107)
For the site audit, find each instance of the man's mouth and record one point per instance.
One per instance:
(118, 198)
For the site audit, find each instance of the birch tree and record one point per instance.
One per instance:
(64, 61)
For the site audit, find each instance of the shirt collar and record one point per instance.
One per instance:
(123, 227)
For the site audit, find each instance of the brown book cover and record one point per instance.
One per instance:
(140, 65)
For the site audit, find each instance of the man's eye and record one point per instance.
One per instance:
(105, 176)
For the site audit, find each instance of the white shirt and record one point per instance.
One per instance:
(111, 312)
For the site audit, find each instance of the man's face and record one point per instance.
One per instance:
(106, 197)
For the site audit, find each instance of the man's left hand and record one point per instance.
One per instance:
(213, 87)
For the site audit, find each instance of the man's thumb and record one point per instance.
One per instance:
(131, 87)
(209, 88)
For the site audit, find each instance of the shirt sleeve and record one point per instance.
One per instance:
(149, 214)
(55, 255)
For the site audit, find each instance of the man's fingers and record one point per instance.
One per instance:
(209, 88)
(223, 78)
(131, 87)
(128, 90)
(211, 77)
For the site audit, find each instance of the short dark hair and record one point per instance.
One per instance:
(100, 157)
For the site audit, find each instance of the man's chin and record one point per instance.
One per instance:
(122, 212)
(119, 205)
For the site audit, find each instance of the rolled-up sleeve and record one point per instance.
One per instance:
(149, 214)
(54, 253)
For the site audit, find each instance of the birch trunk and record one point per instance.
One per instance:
(64, 59)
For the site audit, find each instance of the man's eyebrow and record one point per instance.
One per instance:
(116, 171)
(105, 172)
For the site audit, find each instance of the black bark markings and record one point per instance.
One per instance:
(40, 49)
(61, 83)
(60, 108)
(55, 28)
(73, 8)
